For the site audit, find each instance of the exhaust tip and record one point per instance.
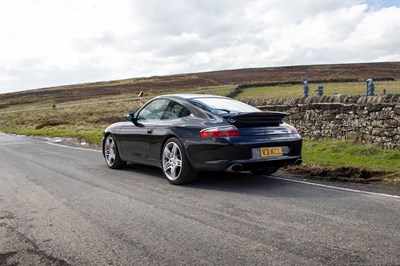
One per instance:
(234, 168)
(298, 162)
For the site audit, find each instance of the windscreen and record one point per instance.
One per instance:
(223, 105)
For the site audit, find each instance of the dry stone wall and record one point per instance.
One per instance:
(367, 119)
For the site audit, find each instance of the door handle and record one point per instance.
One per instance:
(149, 131)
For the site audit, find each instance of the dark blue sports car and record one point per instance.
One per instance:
(187, 133)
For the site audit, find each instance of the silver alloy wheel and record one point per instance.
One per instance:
(109, 151)
(172, 161)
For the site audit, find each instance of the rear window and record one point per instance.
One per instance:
(221, 105)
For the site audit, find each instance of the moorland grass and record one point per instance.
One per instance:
(296, 91)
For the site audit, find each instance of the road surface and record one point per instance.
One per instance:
(62, 206)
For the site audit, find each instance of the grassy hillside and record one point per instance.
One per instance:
(199, 81)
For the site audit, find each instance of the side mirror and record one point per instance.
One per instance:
(131, 118)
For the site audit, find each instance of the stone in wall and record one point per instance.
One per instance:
(353, 136)
(396, 110)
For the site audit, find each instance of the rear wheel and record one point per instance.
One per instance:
(265, 171)
(111, 153)
(175, 164)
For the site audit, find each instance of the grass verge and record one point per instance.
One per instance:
(92, 136)
(348, 161)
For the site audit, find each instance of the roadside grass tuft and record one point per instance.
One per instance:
(90, 135)
(51, 122)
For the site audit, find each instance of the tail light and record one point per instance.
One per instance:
(293, 130)
(219, 132)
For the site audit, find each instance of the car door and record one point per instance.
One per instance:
(172, 119)
(135, 138)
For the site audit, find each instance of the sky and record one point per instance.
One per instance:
(59, 42)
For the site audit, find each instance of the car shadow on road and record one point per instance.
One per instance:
(241, 182)
(151, 171)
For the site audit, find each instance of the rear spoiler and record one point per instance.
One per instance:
(256, 119)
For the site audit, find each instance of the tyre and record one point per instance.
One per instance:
(265, 171)
(111, 153)
(175, 164)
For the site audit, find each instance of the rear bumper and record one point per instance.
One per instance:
(222, 154)
(246, 165)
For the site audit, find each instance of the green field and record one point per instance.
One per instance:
(86, 121)
(334, 153)
(296, 91)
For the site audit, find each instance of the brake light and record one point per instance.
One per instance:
(211, 134)
(293, 130)
(233, 132)
(219, 132)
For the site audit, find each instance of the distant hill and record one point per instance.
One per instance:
(185, 82)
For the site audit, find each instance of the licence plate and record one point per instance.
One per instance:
(271, 152)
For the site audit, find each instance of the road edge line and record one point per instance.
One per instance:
(70, 147)
(337, 188)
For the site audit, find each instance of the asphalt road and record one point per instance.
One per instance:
(63, 206)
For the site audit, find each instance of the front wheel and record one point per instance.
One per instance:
(175, 164)
(111, 153)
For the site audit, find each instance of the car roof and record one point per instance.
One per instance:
(187, 96)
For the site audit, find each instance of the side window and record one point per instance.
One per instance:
(199, 104)
(153, 111)
(175, 111)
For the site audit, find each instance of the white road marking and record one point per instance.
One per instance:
(70, 147)
(337, 188)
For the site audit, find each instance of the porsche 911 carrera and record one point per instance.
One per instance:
(185, 134)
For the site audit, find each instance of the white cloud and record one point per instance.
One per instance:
(47, 43)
